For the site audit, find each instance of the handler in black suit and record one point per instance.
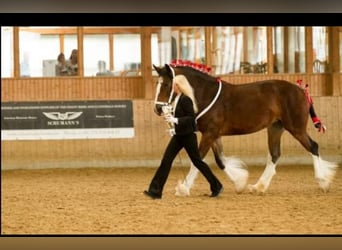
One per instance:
(183, 136)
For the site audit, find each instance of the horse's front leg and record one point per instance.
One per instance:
(183, 187)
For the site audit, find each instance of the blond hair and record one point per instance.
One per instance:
(185, 87)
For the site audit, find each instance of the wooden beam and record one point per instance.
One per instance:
(334, 60)
(86, 30)
(80, 48)
(270, 58)
(208, 49)
(309, 50)
(50, 30)
(16, 51)
(146, 62)
(111, 52)
(286, 49)
(61, 43)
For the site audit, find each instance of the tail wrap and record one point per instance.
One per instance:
(316, 121)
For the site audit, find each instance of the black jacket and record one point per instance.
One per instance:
(186, 116)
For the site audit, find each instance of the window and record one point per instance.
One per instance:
(289, 49)
(296, 41)
(278, 49)
(7, 61)
(127, 54)
(189, 44)
(39, 48)
(186, 43)
(320, 49)
(116, 51)
(96, 55)
(239, 50)
(112, 51)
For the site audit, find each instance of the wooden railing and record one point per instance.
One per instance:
(102, 88)
(71, 88)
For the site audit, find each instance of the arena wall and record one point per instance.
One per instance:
(151, 137)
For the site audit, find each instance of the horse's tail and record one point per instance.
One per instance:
(316, 121)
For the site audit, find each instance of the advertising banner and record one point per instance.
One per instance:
(67, 120)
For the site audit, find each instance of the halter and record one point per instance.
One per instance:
(168, 103)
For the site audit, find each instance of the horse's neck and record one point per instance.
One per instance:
(205, 87)
(205, 92)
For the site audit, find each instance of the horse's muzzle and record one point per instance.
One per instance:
(158, 109)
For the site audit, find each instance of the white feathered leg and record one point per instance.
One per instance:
(183, 187)
(234, 168)
(324, 172)
(265, 179)
(237, 172)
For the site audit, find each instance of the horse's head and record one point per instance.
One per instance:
(164, 91)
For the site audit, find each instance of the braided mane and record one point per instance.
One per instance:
(197, 66)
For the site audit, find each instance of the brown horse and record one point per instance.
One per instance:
(226, 109)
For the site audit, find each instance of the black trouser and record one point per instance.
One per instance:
(177, 142)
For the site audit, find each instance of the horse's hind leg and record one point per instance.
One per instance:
(324, 170)
(234, 167)
(274, 133)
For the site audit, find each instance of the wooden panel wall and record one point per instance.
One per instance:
(151, 137)
(102, 88)
(150, 130)
(71, 88)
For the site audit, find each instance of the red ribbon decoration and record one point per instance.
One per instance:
(197, 66)
(316, 121)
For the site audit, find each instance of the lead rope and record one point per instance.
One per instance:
(204, 110)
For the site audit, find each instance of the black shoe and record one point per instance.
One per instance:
(216, 193)
(152, 195)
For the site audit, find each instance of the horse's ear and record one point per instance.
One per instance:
(169, 70)
(158, 69)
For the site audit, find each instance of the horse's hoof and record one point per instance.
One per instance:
(324, 185)
(251, 188)
(255, 189)
(240, 186)
(240, 189)
(181, 193)
(182, 190)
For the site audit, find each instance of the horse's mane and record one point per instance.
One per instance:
(194, 69)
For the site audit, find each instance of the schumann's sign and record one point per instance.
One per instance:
(66, 120)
